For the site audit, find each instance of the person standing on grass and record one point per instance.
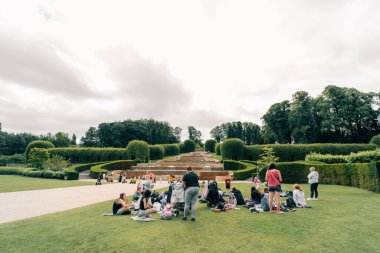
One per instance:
(313, 179)
(274, 179)
(191, 185)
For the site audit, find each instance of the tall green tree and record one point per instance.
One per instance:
(73, 140)
(90, 139)
(61, 139)
(276, 123)
(195, 135)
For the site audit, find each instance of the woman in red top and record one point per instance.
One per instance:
(274, 180)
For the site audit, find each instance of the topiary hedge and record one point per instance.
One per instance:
(296, 152)
(72, 173)
(156, 152)
(187, 146)
(233, 165)
(361, 175)
(217, 148)
(90, 155)
(43, 174)
(12, 170)
(314, 157)
(360, 157)
(115, 165)
(232, 149)
(138, 150)
(375, 140)
(246, 170)
(37, 144)
(171, 149)
(210, 145)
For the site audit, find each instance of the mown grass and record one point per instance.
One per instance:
(13, 183)
(343, 220)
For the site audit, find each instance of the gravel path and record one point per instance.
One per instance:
(26, 204)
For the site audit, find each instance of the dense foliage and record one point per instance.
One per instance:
(187, 146)
(360, 157)
(171, 149)
(37, 144)
(338, 115)
(90, 155)
(37, 157)
(138, 150)
(72, 173)
(249, 132)
(11, 159)
(119, 134)
(195, 135)
(217, 148)
(210, 145)
(376, 140)
(114, 165)
(232, 149)
(156, 152)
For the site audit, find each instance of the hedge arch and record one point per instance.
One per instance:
(37, 144)
(210, 145)
(232, 149)
(138, 150)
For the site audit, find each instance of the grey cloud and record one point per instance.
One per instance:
(148, 88)
(37, 62)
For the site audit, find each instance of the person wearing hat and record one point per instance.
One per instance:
(190, 182)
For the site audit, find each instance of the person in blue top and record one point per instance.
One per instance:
(190, 183)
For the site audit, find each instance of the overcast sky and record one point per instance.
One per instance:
(69, 65)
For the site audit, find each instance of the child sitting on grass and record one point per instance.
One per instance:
(299, 196)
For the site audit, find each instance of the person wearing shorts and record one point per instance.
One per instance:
(274, 179)
(120, 205)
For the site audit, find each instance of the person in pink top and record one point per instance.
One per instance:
(274, 179)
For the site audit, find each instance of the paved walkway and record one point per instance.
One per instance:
(26, 204)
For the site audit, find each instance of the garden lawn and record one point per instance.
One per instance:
(343, 220)
(13, 183)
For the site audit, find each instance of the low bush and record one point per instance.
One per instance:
(12, 170)
(156, 152)
(138, 149)
(9, 159)
(90, 155)
(314, 157)
(187, 146)
(210, 145)
(114, 165)
(44, 174)
(72, 173)
(232, 149)
(171, 149)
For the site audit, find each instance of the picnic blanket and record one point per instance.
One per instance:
(137, 218)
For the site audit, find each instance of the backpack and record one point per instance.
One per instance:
(290, 202)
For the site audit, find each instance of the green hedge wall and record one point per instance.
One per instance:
(27, 172)
(210, 145)
(37, 144)
(361, 175)
(90, 155)
(232, 149)
(138, 150)
(245, 173)
(12, 170)
(296, 152)
(115, 165)
(171, 149)
(7, 159)
(72, 173)
(156, 152)
(233, 165)
(360, 157)
(217, 148)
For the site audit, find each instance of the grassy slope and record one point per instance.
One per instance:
(343, 220)
(12, 183)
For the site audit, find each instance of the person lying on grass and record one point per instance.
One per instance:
(146, 207)
(120, 206)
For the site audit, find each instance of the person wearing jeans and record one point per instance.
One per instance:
(313, 179)
(190, 183)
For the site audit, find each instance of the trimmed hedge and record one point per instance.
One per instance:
(217, 148)
(360, 157)
(187, 146)
(241, 170)
(115, 165)
(72, 173)
(232, 149)
(296, 152)
(16, 158)
(171, 149)
(90, 155)
(138, 150)
(361, 175)
(210, 145)
(156, 152)
(12, 170)
(37, 144)
(375, 140)
(43, 174)
(233, 165)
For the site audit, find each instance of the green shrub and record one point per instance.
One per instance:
(364, 157)
(171, 149)
(44, 174)
(138, 149)
(12, 170)
(37, 157)
(245, 173)
(296, 152)
(187, 146)
(7, 159)
(217, 148)
(232, 149)
(90, 155)
(37, 144)
(210, 145)
(375, 140)
(55, 163)
(156, 152)
(314, 157)
(114, 165)
(72, 173)
(233, 165)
